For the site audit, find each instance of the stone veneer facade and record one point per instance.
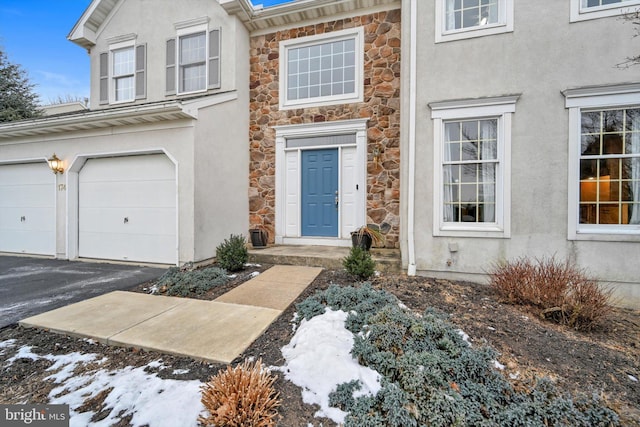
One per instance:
(381, 106)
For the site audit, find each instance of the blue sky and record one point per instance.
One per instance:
(33, 33)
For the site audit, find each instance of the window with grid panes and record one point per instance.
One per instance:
(192, 60)
(461, 14)
(322, 70)
(469, 170)
(610, 166)
(123, 74)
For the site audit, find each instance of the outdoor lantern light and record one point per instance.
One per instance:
(55, 164)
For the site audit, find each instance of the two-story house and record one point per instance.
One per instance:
(156, 170)
(521, 137)
(470, 131)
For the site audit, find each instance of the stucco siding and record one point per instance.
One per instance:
(543, 56)
(153, 23)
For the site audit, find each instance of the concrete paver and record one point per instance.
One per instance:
(104, 316)
(210, 330)
(276, 288)
(200, 329)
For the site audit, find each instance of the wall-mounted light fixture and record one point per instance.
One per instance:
(56, 164)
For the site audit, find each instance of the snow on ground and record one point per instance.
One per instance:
(151, 400)
(318, 359)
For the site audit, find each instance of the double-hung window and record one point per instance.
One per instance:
(123, 71)
(123, 74)
(604, 167)
(192, 67)
(193, 58)
(472, 143)
(322, 70)
(582, 10)
(462, 19)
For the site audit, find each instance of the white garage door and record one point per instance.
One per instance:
(27, 209)
(127, 209)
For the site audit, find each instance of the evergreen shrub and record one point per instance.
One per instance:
(432, 377)
(359, 263)
(232, 253)
(195, 282)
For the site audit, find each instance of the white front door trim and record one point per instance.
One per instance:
(358, 127)
(73, 194)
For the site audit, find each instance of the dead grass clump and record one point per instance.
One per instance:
(240, 397)
(564, 292)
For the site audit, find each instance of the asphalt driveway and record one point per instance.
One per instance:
(30, 286)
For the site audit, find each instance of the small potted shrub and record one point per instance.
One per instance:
(366, 236)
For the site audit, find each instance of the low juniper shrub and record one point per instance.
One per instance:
(432, 377)
(232, 253)
(359, 263)
(360, 302)
(195, 282)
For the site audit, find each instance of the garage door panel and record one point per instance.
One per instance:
(145, 248)
(26, 196)
(127, 209)
(133, 168)
(147, 193)
(128, 221)
(27, 209)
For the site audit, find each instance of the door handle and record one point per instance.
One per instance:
(23, 218)
(126, 219)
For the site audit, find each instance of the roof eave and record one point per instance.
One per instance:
(89, 120)
(257, 19)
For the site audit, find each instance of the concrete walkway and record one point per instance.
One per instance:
(216, 331)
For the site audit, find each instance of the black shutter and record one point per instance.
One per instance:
(214, 59)
(104, 78)
(141, 74)
(171, 67)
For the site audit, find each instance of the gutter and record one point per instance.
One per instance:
(411, 268)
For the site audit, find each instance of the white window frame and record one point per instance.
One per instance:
(504, 24)
(185, 32)
(352, 33)
(502, 109)
(594, 98)
(128, 44)
(582, 13)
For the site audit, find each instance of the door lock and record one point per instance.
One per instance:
(337, 200)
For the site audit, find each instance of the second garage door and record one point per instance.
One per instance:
(127, 209)
(27, 209)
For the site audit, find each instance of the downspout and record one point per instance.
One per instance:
(413, 39)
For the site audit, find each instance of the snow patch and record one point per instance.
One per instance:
(253, 265)
(7, 344)
(632, 378)
(254, 274)
(498, 365)
(180, 371)
(464, 336)
(318, 359)
(149, 399)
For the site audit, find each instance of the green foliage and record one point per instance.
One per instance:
(18, 101)
(360, 302)
(359, 263)
(196, 282)
(232, 253)
(432, 377)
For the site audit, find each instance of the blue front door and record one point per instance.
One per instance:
(320, 192)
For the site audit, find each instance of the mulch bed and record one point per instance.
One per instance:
(600, 361)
